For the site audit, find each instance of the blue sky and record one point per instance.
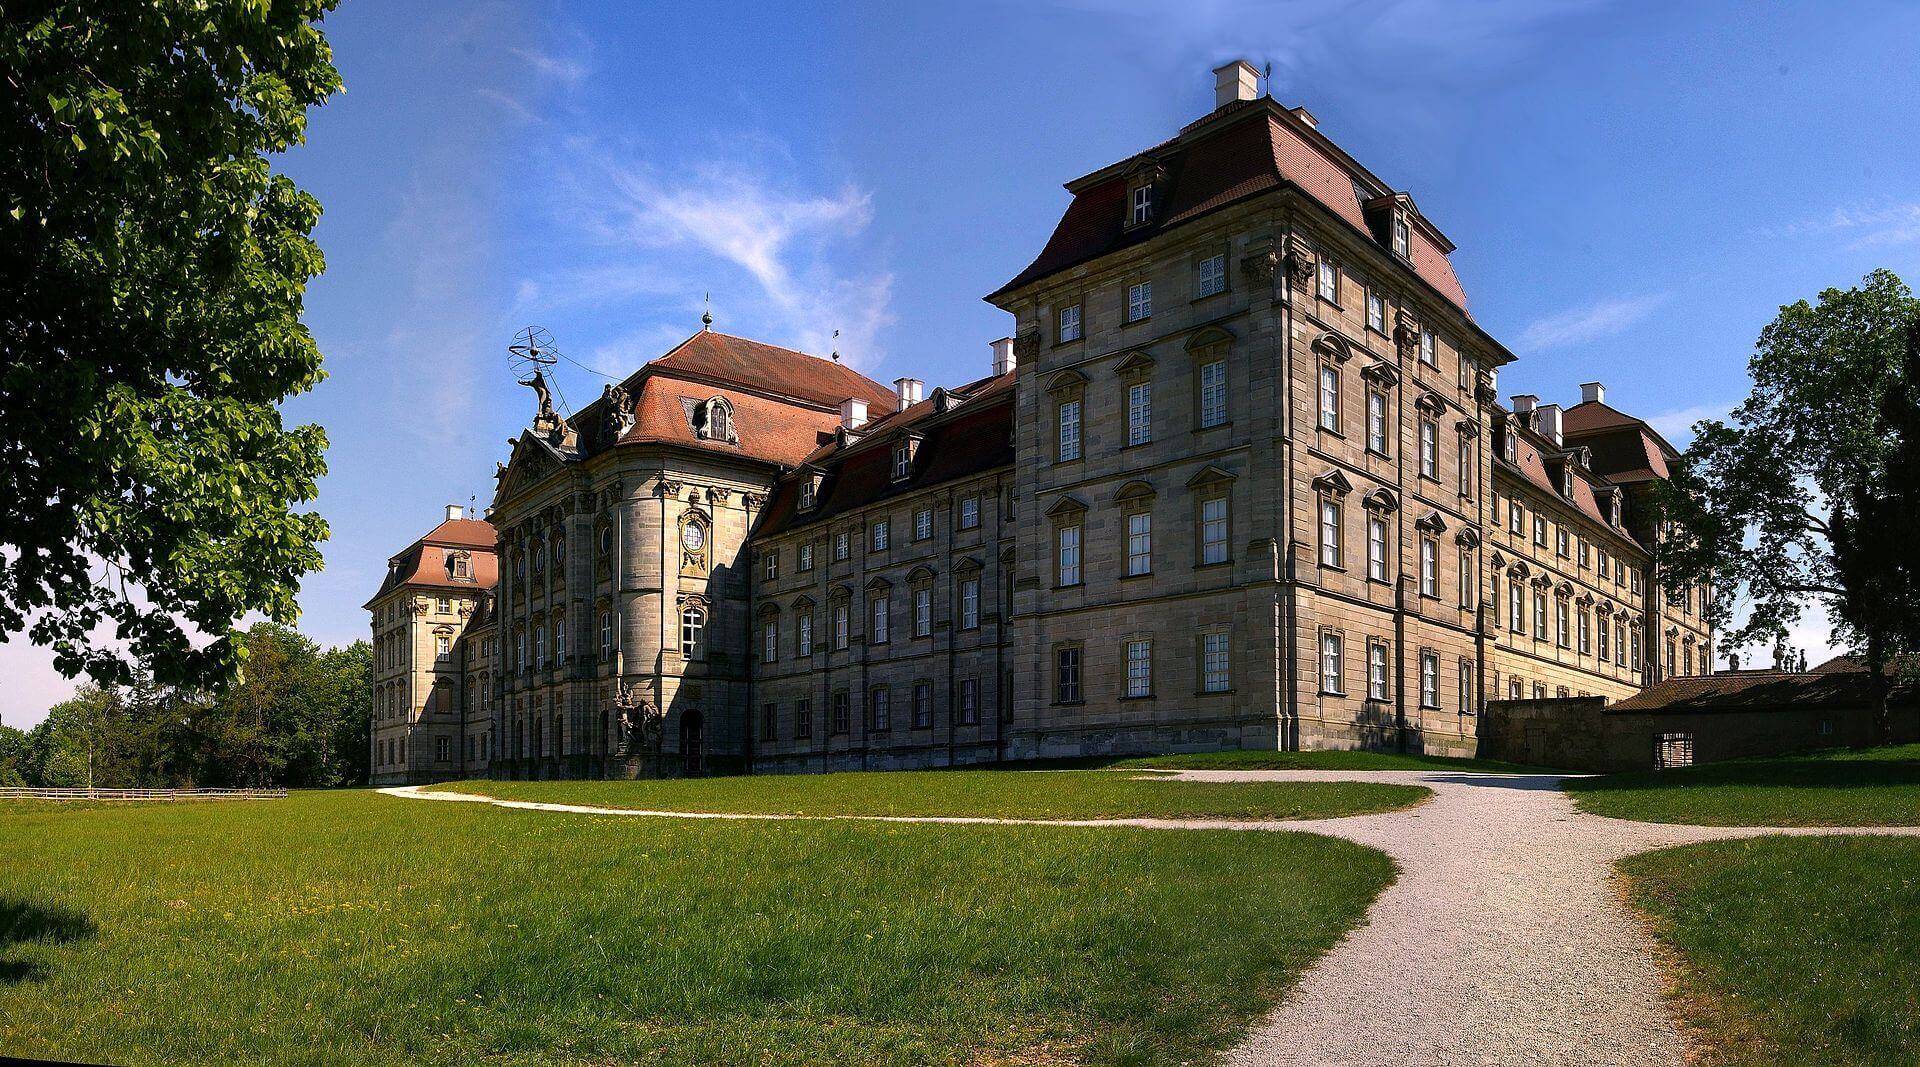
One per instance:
(1635, 189)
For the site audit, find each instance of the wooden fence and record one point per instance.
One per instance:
(83, 793)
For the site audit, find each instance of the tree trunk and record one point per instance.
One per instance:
(1880, 686)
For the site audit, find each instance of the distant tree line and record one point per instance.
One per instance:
(297, 715)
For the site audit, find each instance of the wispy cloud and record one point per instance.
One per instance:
(1865, 225)
(1578, 326)
(567, 70)
(1677, 425)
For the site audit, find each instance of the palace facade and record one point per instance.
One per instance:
(1238, 479)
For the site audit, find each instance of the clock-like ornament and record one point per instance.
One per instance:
(693, 537)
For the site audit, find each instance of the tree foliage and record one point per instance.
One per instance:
(152, 267)
(295, 716)
(1797, 498)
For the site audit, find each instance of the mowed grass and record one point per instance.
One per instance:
(1798, 951)
(359, 928)
(1835, 787)
(1326, 760)
(999, 794)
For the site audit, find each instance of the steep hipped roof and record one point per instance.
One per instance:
(1244, 149)
(764, 429)
(972, 435)
(1625, 449)
(721, 358)
(1539, 464)
(424, 563)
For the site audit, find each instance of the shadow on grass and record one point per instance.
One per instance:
(23, 922)
(1803, 772)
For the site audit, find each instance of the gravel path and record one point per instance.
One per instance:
(1502, 942)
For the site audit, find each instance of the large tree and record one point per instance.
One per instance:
(152, 267)
(1795, 500)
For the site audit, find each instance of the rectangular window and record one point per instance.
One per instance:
(1215, 675)
(1069, 555)
(1139, 413)
(882, 534)
(1464, 462)
(923, 524)
(1213, 276)
(970, 513)
(841, 635)
(1429, 449)
(1562, 630)
(769, 722)
(1376, 671)
(1563, 542)
(1540, 615)
(1429, 680)
(1069, 430)
(878, 634)
(1330, 397)
(1540, 529)
(842, 545)
(770, 641)
(806, 493)
(922, 611)
(1329, 532)
(1400, 242)
(1213, 530)
(1620, 643)
(1142, 204)
(1070, 323)
(806, 556)
(1514, 515)
(1376, 312)
(444, 605)
(922, 705)
(1140, 543)
(1066, 675)
(803, 643)
(1139, 301)
(770, 565)
(1465, 578)
(1427, 354)
(842, 711)
(1605, 650)
(1376, 423)
(1213, 393)
(1466, 688)
(969, 702)
(1376, 548)
(443, 647)
(970, 603)
(1329, 281)
(1586, 632)
(802, 718)
(1429, 567)
(1331, 667)
(1140, 668)
(1633, 636)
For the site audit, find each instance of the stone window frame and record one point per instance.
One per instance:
(1467, 541)
(922, 713)
(967, 708)
(923, 517)
(770, 721)
(880, 534)
(1379, 506)
(1466, 685)
(1210, 251)
(1068, 513)
(1208, 484)
(1135, 498)
(769, 616)
(1429, 685)
(1128, 644)
(1330, 491)
(1380, 655)
(1201, 669)
(1135, 372)
(841, 722)
(1376, 302)
(770, 563)
(694, 564)
(879, 710)
(969, 512)
(1078, 307)
(920, 586)
(879, 612)
(842, 544)
(840, 620)
(1069, 673)
(1068, 391)
(1540, 585)
(1326, 278)
(966, 571)
(717, 421)
(1468, 432)
(803, 647)
(1337, 650)
(1211, 347)
(1136, 301)
(1381, 378)
(1331, 356)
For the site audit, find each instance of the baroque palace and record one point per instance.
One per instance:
(1239, 479)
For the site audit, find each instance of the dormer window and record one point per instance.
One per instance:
(1142, 205)
(806, 493)
(1613, 509)
(460, 566)
(1566, 482)
(1400, 243)
(902, 461)
(1509, 446)
(810, 488)
(714, 421)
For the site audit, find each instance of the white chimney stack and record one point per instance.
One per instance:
(853, 413)
(455, 511)
(1003, 360)
(1233, 82)
(908, 391)
(1524, 403)
(1593, 393)
(1547, 422)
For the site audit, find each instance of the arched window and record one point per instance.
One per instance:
(693, 629)
(716, 423)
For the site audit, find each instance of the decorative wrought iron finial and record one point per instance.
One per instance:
(706, 317)
(836, 348)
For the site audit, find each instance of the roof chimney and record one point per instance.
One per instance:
(1305, 116)
(455, 511)
(1593, 393)
(908, 392)
(1546, 422)
(1003, 360)
(853, 413)
(1524, 403)
(1233, 82)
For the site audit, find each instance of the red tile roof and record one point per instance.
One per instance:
(767, 429)
(1625, 449)
(1755, 691)
(424, 563)
(722, 358)
(1251, 149)
(972, 437)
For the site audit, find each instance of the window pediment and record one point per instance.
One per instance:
(878, 583)
(1381, 500)
(803, 602)
(1431, 522)
(1470, 538)
(967, 565)
(1133, 490)
(1066, 506)
(1135, 366)
(1210, 475)
(1467, 428)
(1431, 403)
(922, 573)
(1334, 482)
(1333, 346)
(1067, 381)
(1381, 373)
(1208, 338)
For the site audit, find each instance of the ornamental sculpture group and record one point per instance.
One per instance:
(640, 721)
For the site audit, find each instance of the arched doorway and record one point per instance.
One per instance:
(691, 724)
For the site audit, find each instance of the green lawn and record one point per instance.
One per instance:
(1326, 760)
(1837, 787)
(1798, 951)
(1006, 794)
(358, 928)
